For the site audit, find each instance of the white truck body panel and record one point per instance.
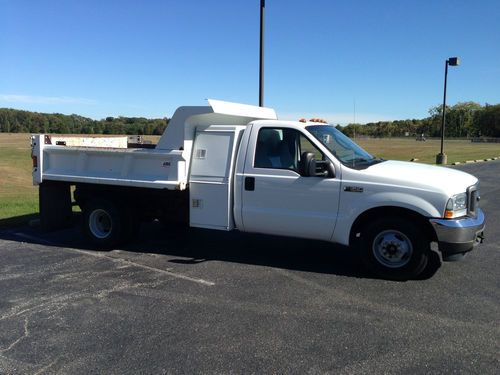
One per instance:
(284, 202)
(424, 189)
(116, 166)
(210, 182)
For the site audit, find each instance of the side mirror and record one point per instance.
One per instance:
(307, 165)
(330, 169)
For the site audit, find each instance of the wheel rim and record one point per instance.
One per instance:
(100, 223)
(392, 248)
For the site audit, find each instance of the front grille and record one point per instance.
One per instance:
(472, 200)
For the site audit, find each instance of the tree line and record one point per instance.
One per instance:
(17, 121)
(466, 119)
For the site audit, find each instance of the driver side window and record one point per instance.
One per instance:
(307, 146)
(281, 148)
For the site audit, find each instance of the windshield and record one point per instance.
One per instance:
(342, 147)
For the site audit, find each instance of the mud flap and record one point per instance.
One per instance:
(54, 205)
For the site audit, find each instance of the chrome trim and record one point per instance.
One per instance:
(463, 222)
(472, 199)
(460, 230)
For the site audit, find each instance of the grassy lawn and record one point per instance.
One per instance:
(425, 152)
(18, 196)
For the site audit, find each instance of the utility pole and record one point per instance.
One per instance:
(441, 158)
(354, 125)
(261, 55)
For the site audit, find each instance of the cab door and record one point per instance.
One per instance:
(276, 198)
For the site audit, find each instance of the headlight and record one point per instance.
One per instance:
(456, 206)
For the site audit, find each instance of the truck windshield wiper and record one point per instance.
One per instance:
(362, 163)
(357, 160)
(377, 160)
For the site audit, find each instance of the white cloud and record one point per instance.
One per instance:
(337, 118)
(31, 99)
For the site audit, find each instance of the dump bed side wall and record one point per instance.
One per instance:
(126, 167)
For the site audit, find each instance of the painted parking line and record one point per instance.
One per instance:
(117, 260)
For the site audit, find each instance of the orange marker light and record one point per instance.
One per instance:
(320, 120)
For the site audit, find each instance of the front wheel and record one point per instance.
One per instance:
(394, 248)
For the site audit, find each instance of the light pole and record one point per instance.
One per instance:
(261, 54)
(441, 158)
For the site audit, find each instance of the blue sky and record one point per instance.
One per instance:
(145, 58)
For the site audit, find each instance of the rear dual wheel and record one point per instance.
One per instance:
(106, 225)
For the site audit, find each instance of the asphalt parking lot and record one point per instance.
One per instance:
(192, 301)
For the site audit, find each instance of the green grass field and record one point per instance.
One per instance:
(18, 196)
(425, 152)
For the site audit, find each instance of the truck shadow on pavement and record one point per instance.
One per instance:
(192, 246)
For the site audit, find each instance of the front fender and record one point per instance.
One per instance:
(352, 205)
(404, 200)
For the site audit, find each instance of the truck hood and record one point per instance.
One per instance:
(421, 176)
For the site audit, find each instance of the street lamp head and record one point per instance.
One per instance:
(453, 61)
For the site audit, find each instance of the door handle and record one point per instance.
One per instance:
(250, 183)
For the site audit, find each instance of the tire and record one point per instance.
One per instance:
(394, 248)
(104, 225)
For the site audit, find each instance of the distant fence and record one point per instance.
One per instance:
(429, 138)
(485, 140)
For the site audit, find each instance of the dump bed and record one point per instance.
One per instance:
(152, 168)
(106, 161)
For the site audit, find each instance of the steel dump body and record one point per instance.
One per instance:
(164, 167)
(112, 166)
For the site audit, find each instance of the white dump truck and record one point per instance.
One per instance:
(230, 166)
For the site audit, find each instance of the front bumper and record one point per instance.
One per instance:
(460, 235)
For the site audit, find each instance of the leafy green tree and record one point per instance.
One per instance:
(488, 121)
